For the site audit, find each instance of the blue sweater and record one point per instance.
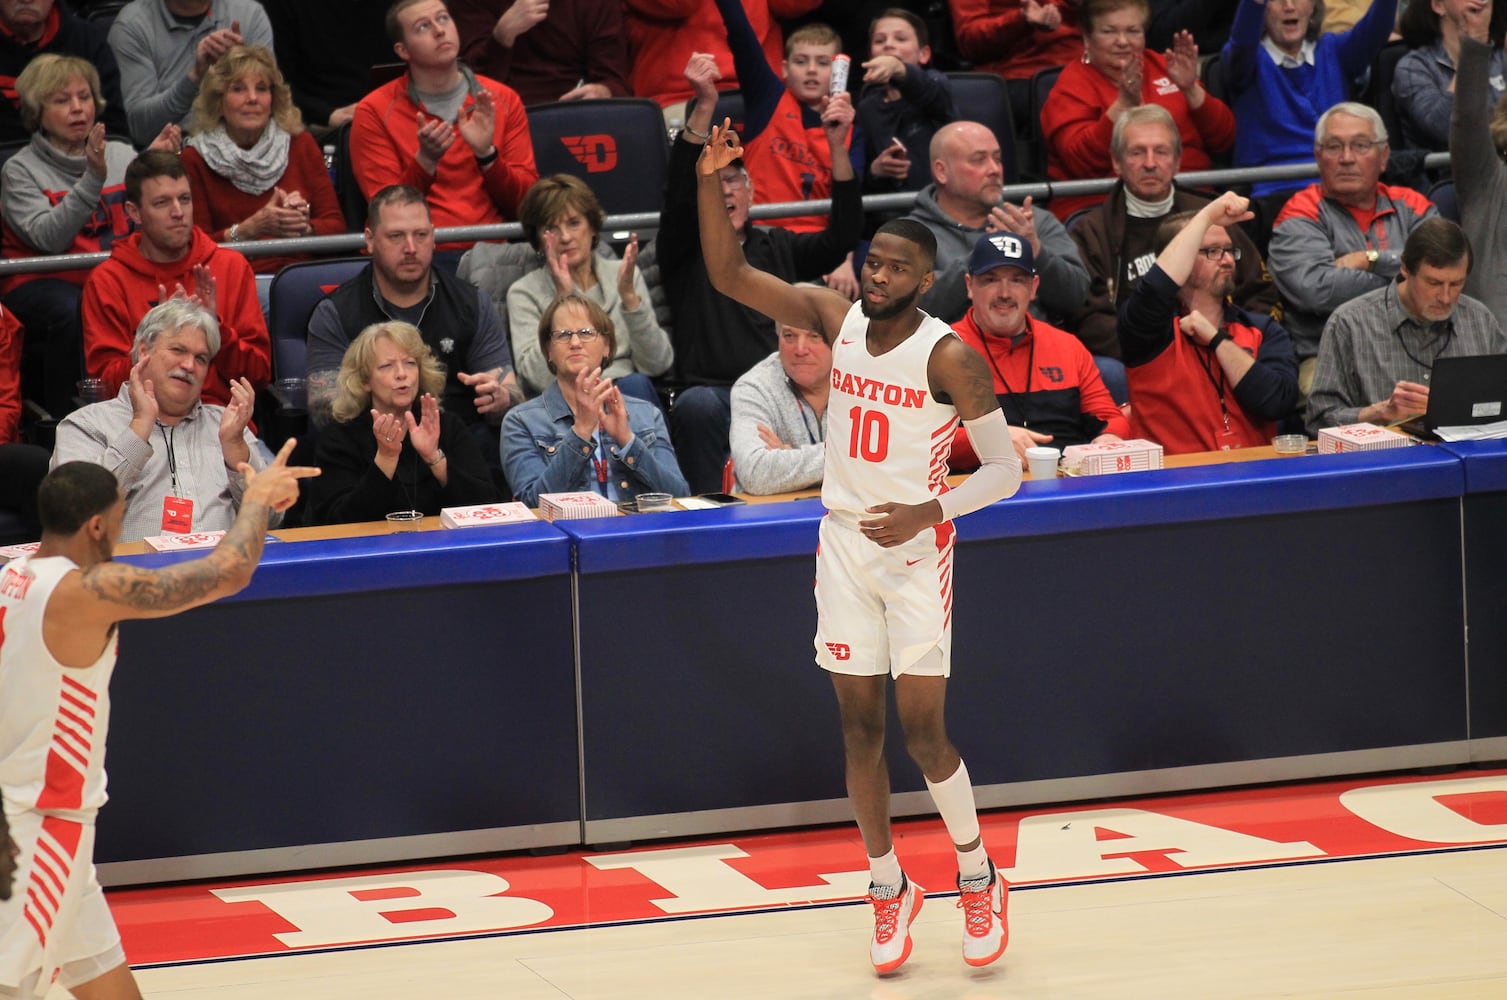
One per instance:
(1278, 109)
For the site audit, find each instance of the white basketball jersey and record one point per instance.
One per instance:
(53, 718)
(887, 437)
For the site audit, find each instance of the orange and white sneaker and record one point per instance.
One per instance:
(985, 930)
(892, 919)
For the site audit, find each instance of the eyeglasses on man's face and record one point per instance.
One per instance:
(1359, 147)
(1214, 253)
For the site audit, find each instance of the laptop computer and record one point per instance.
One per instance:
(1463, 392)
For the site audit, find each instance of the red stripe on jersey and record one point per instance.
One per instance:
(81, 690)
(949, 429)
(41, 932)
(64, 787)
(77, 720)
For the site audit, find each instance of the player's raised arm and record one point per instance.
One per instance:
(108, 592)
(731, 274)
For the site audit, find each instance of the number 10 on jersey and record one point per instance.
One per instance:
(869, 437)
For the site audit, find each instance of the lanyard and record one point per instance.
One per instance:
(1442, 339)
(803, 406)
(1023, 403)
(1216, 380)
(172, 458)
(599, 462)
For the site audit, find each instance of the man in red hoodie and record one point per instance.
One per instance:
(167, 256)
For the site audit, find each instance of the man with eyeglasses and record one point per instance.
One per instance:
(1378, 350)
(1341, 237)
(1205, 375)
(1117, 240)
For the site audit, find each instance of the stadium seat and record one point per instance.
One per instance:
(983, 98)
(1442, 195)
(616, 145)
(296, 290)
(1041, 86)
(1378, 90)
(352, 201)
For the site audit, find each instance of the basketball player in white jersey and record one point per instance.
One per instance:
(59, 608)
(900, 382)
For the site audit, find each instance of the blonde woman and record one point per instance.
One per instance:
(63, 193)
(255, 173)
(390, 447)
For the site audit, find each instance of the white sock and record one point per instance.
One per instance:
(954, 799)
(973, 864)
(885, 871)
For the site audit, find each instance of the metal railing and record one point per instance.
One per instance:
(349, 243)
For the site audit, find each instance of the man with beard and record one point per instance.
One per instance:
(175, 457)
(1045, 380)
(1204, 375)
(169, 256)
(62, 606)
(1116, 239)
(964, 201)
(1378, 351)
(900, 383)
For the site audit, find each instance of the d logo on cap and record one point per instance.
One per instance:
(1008, 245)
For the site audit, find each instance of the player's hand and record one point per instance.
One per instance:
(898, 523)
(721, 149)
(276, 486)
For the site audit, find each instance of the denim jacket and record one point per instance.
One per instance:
(542, 454)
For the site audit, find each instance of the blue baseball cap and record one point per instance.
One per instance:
(1001, 249)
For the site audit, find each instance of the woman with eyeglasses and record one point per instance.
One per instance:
(1116, 73)
(562, 220)
(1281, 73)
(391, 447)
(583, 433)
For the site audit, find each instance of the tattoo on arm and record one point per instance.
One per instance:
(186, 584)
(965, 380)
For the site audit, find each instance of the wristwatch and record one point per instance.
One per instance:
(1372, 256)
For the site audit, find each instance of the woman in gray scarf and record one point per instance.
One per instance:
(63, 193)
(255, 173)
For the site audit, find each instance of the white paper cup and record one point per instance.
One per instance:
(1043, 462)
(404, 520)
(653, 501)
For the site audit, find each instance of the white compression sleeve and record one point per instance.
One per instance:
(998, 475)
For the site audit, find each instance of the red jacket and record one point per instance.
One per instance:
(662, 34)
(1077, 130)
(997, 38)
(11, 336)
(791, 161)
(1047, 382)
(219, 204)
(121, 290)
(385, 142)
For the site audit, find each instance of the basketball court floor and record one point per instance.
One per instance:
(1367, 889)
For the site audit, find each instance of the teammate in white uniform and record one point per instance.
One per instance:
(900, 383)
(58, 613)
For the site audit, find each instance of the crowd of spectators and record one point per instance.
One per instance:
(172, 133)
